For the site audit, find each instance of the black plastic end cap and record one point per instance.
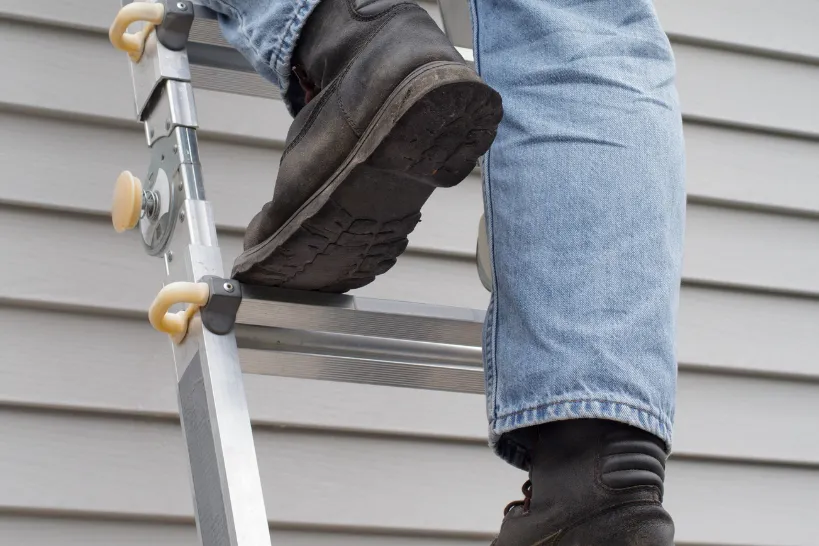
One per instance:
(219, 315)
(175, 29)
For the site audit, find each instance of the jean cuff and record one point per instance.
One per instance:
(514, 453)
(282, 57)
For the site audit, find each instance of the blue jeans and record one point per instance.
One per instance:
(584, 198)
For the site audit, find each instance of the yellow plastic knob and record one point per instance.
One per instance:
(134, 44)
(127, 205)
(176, 324)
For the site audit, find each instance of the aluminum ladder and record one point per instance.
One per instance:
(220, 328)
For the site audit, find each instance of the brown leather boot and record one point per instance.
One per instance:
(387, 111)
(592, 483)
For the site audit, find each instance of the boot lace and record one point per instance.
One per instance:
(525, 502)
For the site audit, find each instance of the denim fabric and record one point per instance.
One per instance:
(265, 32)
(584, 197)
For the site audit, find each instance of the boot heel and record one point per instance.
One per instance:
(451, 121)
(636, 524)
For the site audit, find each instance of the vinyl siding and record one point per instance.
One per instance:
(90, 447)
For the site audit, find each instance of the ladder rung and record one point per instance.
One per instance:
(360, 340)
(415, 375)
(344, 314)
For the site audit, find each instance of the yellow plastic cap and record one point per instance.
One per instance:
(134, 44)
(127, 205)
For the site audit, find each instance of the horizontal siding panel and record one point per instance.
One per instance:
(44, 531)
(727, 86)
(82, 14)
(718, 330)
(755, 332)
(723, 164)
(751, 168)
(121, 365)
(420, 450)
(784, 28)
(745, 89)
(131, 468)
(238, 178)
(94, 80)
(754, 23)
(107, 262)
(95, 15)
(743, 248)
(723, 247)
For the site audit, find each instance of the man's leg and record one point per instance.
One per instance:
(386, 110)
(584, 196)
(265, 32)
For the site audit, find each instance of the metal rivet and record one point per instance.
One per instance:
(175, 148)
(169, 256)
(167, 124)
(180, 187)
(182, 6)
(182, 216)
(228, 287)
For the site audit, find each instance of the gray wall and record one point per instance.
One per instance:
(90, 449)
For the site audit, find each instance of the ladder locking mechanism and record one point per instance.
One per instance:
(130, 201)
(218, 299)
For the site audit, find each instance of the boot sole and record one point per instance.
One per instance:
(429, 133)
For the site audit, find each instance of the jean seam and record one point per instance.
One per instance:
(276, 56)
(492, 316)
(662, 424)
(655, 414)
(242, 27)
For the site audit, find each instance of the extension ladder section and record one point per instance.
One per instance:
(220, 328)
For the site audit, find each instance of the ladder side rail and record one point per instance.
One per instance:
(176, 224)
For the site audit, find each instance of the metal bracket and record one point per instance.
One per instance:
(159, 62)
(219, 315)
(174, 107)
(174, 176)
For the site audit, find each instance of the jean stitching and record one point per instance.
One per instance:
(657, 423)
(578, 400)
(242, 25)
(296, 20)
(492, 317)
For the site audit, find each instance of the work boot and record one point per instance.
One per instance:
(386, 111)
(592, 483)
